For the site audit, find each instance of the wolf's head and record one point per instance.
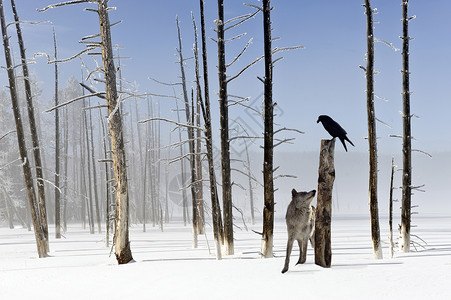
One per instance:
(303, 199)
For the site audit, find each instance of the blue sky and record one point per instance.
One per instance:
(323, 78)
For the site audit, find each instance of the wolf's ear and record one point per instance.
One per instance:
(293, 192)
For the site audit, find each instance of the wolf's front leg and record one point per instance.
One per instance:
(287, 258)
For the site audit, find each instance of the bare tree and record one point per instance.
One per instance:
(374, 212)
(215, 207)
(407, 138)
(390, 211)
(33, 128)
(227, 204)
(122, 243)
(268, 166)
(190, 131)
(41, 242)
(57, 151)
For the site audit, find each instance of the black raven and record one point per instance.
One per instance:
(334, 129)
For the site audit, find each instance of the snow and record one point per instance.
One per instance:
(167, 267)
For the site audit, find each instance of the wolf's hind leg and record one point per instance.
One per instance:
(302, 251)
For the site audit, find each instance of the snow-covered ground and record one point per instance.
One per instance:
(167, 267)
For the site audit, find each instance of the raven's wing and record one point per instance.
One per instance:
(334, 129)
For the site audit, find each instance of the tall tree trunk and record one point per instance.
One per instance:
(122, 243)
(390, 211)
(215, 207)
(268, 181)
(107, 184)
(66, 182)
(41, 241)
(323, 218)
(251, 191)
(57, 152)
(89, 185)
(190, 137)
(94, 175)
(33, 128)
(374, 212)
(224, 127)
(199, 189)
(406, 138)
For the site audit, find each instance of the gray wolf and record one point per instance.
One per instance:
(300, 220)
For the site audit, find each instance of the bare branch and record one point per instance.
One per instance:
(245, 68)
(49, 61)
(66, 3)
(173, 122)
(416, 150)
(288, 129)
(6, 134)
(73, 100)
(235, 37)
(91, 90)
(249, 16)
(241, 53)
(386, 43)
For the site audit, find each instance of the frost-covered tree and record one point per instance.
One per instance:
(407, 136)
(374, 212)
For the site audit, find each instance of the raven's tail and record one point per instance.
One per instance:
(343, 142)
(346, 138)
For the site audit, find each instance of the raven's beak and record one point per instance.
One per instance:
(317, 121)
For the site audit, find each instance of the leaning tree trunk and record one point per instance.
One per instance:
(323, 218)
(375, 231)
(215, 207)
(224, 127)
(122, 243)
(190, 137)
(33, 128)
(41, 241)
(268, 180)
(406, 139)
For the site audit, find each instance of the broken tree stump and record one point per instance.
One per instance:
(326, 177)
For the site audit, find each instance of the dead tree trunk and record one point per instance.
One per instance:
(326, 177)
(41, 241)
(190, 136)
(57, 152)
(33, 127)
(390, 212)
(406, 139)
(66, 182)
(374, 212)
(215, 207)
(122, 243)
(251, 190)
(268, 180)
(199, 187)
(224, 128)
(94, 175)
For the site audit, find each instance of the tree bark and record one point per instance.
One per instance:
(122, 243)
(268, 181)
(406, 138)
(224, 128)
(323, 219)
(41, 241)
(374, 212)
(33, 128)
(215, 207)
